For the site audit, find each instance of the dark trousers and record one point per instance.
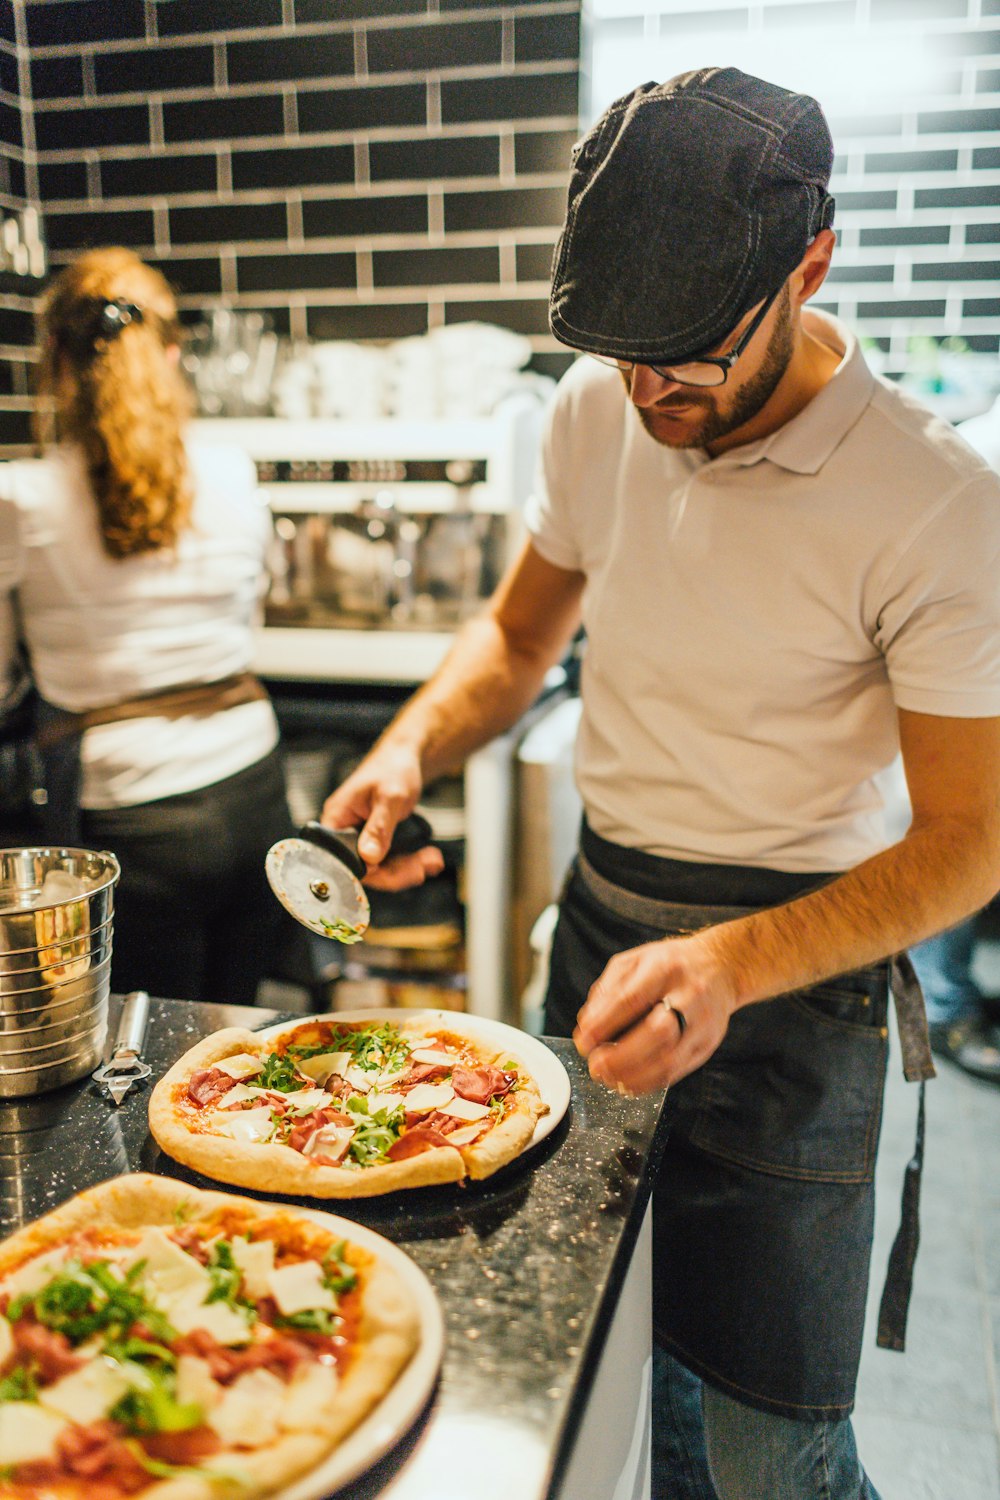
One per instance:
(194, 916)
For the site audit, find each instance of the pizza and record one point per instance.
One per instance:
(160, 1340)
(346, 1109)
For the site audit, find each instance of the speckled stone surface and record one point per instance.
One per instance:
(527, 1265)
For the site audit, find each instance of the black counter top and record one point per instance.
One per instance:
(527, 1265)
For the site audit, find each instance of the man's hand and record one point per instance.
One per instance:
(656, 1013)
(375, 797)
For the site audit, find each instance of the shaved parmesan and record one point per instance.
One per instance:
(247, 1416)
(308, 1398)
(428, 1055)
(306, 1100)
(299, 1288)
(238, 1093)
(243, 1124)
(329, 1140)
(88, 1394)
(359, 1078)
(30, 1278)
(384, 1101)
(465, 1109)
(324, 1065)
(427, 1096)
(195, 1384)
(242, 1065)
(464, 1136)
(169, 1271)
(256, 1261)
(217, 1318)
(27, 1432)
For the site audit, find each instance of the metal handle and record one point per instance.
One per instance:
(411, 834)
(131, 1027)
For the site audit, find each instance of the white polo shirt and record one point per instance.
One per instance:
(100, 629)
(754, 620)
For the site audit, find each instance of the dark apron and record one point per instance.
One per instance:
(764, 1206)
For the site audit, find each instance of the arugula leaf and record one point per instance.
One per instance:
(374, 1132)
(212, 1473)
(279, 1073)
(227, 1279)
(310, 1320)
(155, 1408)
(19, 1385)
(83, 1300)
(337, 1274)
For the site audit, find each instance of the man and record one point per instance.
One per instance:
(787, 571)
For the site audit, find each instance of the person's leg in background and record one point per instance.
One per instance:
(755, 1455)
(960, 1030)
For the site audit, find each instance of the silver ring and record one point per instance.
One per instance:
(678, 1015)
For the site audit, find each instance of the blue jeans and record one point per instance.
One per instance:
(706, 1446)
(944, 968)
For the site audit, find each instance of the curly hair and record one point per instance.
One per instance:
(108, 322)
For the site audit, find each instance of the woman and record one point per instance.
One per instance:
(132, 556)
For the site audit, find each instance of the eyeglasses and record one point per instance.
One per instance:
(711, 370)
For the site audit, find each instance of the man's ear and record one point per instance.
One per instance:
(810, 273)
(173, 353)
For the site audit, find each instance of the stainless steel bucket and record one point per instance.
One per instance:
(56, 920)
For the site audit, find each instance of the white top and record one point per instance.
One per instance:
(754, 620)
(100, 630)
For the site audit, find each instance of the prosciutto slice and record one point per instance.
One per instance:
(420, 1138)
(480, 1085)
(49, 1353)
(207, 1085)
(307, 1127)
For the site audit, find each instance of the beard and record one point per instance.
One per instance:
(718, 420)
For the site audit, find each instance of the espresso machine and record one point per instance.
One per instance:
(388, 534)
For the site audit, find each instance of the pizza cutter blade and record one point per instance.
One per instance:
(317, 875)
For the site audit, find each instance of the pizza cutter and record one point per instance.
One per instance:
(317, 875)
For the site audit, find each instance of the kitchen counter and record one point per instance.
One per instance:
(528, 1266)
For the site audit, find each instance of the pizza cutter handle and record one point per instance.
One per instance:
(411, 834)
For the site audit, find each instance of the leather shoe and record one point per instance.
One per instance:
(972, 1045)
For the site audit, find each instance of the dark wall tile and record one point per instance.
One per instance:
(395, 321)
(547, 38)
(904, 308)
(16, 327)
(223, 119)
(983, 343)
(11, 130)
(988, 80)
(356, 10)
(197, 277)
(435, 267)
(505, 208)
(62, 179)
(534, 262)
(104, 125)
(291, 58)
(553, 365)
(8, 385)
(8, 30)
(958, 270)
(18, 182)
(907, 235)
(365, 216)
(523, 316)
(442, 44)
(77, 231)
(916, 10)
(544, 150)
(85, 21)
(176, 17)
(478, 156)
(362, 108)
(157, 69)
(862, 201)
(981, 307)
(963, 197)
(958, 121)
(859, 273)
(982, 234)
(221, 223)
(991, 7)
(273, 273)
(9, 79)
(987, 158)
(156, 174)
(15, 428)
(737, 19)
(534, 96)
(56, 77)
(293, 166)
(976, 43)
(911, 161)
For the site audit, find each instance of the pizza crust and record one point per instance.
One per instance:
(269, 1168)
(388, 1335)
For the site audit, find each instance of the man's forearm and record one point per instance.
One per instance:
(483, 686)
(930, 880)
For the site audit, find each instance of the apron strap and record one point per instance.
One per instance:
(895, 1303)
(911, 1016)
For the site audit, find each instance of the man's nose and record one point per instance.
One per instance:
(647, 388)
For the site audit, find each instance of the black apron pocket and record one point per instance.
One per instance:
(795, 1089)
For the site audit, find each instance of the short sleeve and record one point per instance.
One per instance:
(939, 624)
(548, 510)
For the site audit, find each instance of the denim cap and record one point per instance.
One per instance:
(689, 202)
